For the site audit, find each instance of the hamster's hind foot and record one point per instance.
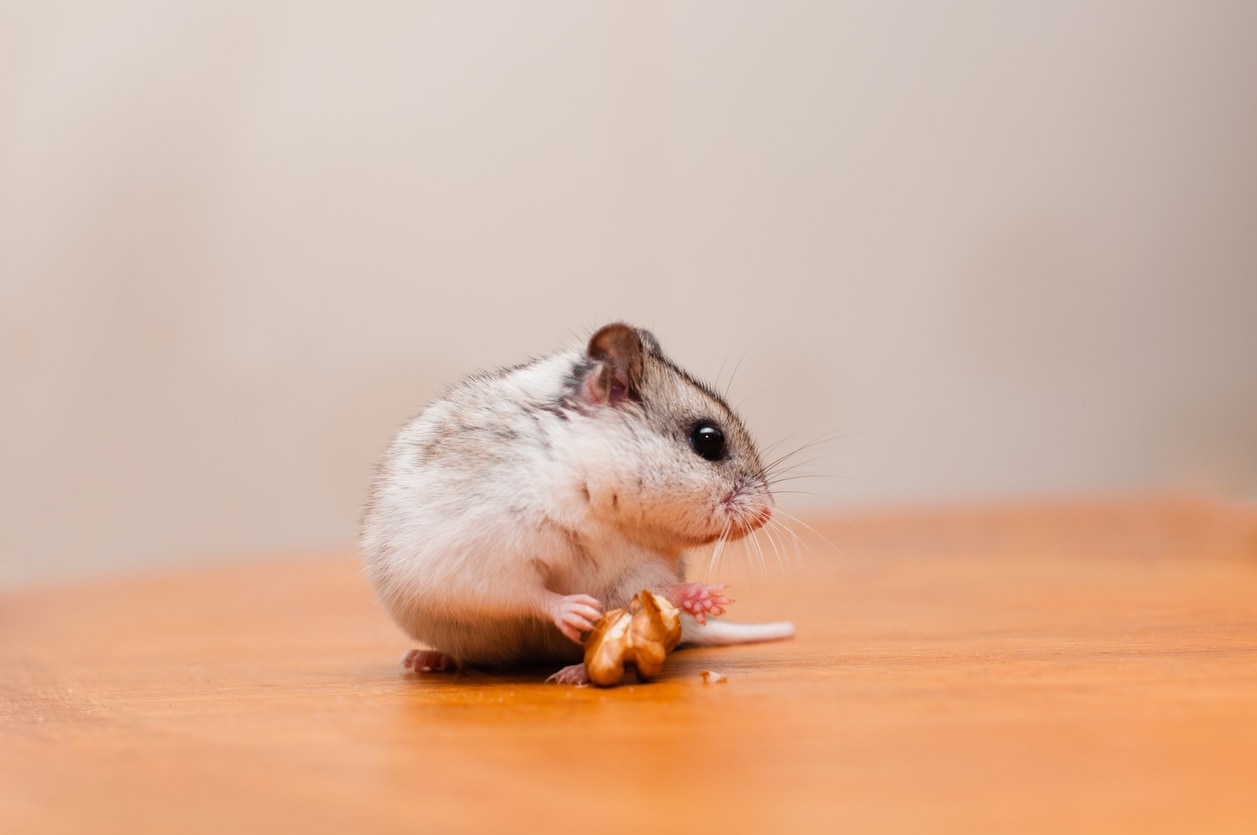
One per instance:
(575, 674)
(428, 661)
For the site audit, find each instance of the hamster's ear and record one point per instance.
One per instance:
(615, 356)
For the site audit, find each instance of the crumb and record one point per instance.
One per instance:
(711, 676)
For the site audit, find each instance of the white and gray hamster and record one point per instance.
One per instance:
(516, 507)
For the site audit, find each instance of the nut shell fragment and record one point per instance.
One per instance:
(604, 648)
(640, 636)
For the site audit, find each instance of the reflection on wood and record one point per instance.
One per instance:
(1085, 667)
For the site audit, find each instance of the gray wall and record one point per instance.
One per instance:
(996, 249)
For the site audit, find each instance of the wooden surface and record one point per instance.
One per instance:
(1067, 668)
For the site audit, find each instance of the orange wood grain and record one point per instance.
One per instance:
(1086, 667)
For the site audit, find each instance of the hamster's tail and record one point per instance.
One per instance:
(721, 633)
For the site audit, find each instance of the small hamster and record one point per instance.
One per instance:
(513, 509)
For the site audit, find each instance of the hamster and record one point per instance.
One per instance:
(508, 514)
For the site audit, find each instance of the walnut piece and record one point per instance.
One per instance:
(640, 636)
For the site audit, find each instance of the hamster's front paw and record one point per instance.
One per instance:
(699, 600)
(574, 614)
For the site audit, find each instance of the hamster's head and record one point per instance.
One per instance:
(666, 459)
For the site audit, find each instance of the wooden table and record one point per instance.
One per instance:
(1087, 667)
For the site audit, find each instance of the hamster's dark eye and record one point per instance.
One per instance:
(707, 440)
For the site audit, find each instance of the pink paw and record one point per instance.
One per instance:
(575, 674)
(428, 661)
(699, 600)
(575, 614)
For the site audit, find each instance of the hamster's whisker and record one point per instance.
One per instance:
(748, 544)
(809, 444)
(795, 541)
(713, 558)
(796, 520)
(737, 366)
(826, 438)
(793, 477)
(791, 544)
(759, 556)
(725, 540)
(710, 570)
(811, 494)
(786, 556)
(771, 447)
(757, 546)
(772, 541)
(718, 549)
(820, 477)
(776, 467)
(774, 474)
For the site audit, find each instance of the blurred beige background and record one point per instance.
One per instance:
(997, 249)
